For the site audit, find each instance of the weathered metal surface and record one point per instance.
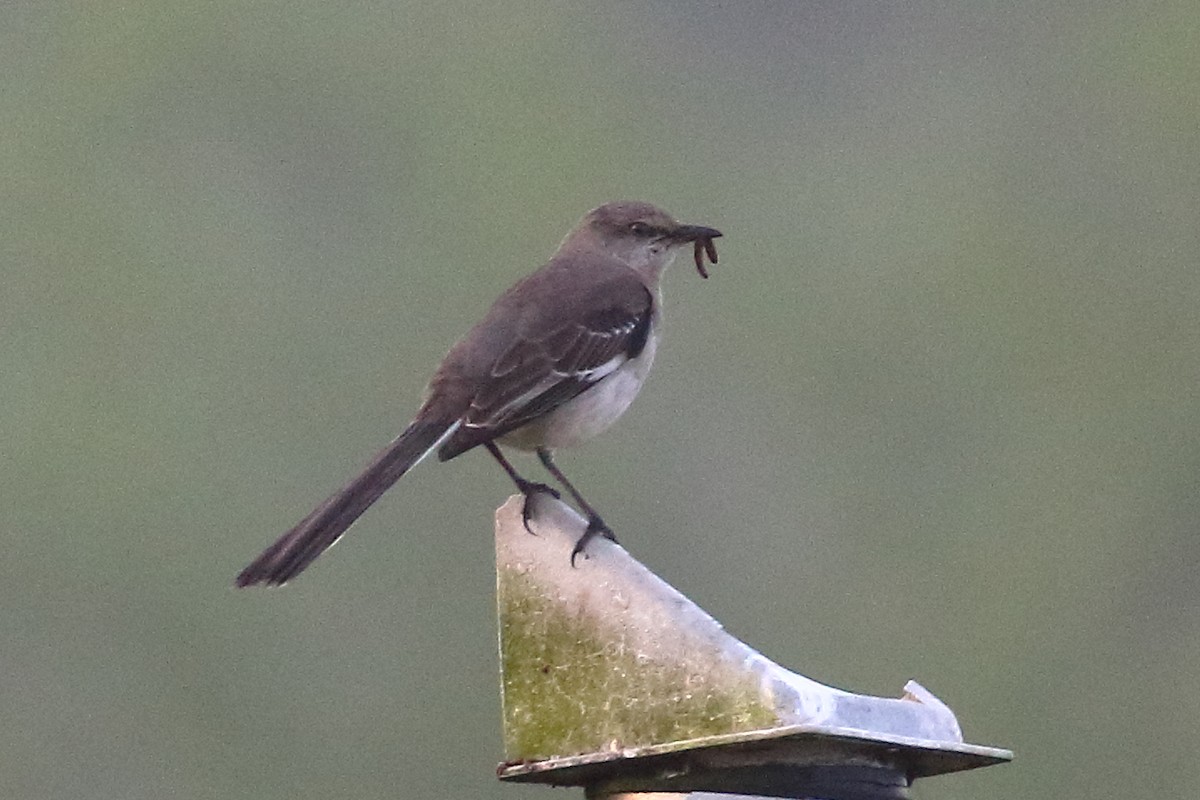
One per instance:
(614, 680)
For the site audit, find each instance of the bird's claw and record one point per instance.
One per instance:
(529, 489)
(595, 527)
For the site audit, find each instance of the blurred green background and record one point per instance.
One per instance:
(934, 416)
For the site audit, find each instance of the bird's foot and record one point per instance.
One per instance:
(529, 489)
(595, 527)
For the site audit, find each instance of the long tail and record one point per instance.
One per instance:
(316, 533)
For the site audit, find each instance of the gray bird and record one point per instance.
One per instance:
(556, 360)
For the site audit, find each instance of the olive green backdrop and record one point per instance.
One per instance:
(934, 416)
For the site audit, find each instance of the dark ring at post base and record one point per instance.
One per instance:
(833, 782)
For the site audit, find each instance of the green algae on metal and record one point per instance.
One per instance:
(574, 683)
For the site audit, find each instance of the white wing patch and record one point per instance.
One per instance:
(596, 373)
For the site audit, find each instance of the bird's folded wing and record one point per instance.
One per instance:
(542, 370)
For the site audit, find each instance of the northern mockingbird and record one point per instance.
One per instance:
(556, 360)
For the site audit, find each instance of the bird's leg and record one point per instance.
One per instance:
(595, 526)
(527, 488)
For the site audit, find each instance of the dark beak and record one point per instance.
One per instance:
(703, 239)
(693, 233)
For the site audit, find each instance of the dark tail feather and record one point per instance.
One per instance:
(317, 532)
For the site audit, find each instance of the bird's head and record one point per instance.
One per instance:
(640, 234)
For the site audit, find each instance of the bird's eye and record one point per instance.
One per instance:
(640, 229)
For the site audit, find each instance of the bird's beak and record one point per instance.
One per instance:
(693, 233)
(703, 239)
